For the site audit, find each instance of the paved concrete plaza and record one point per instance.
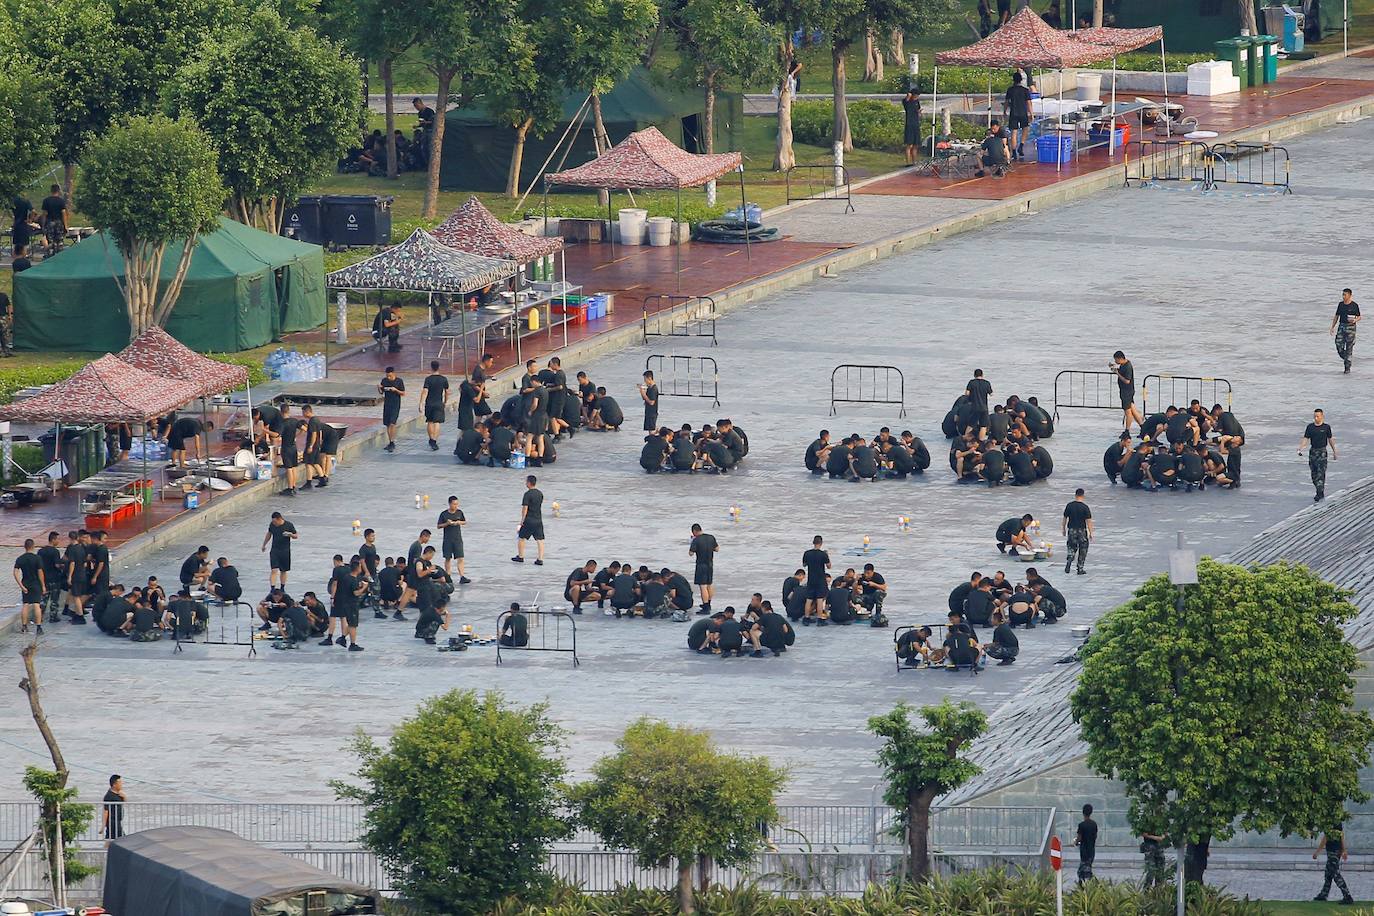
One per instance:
(1226, 284)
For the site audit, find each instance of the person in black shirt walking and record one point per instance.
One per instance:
(28, 575)
(433, 400)
(1343, 327)
(1086, 841)
(531, 522)
(1018, 105)
(1333, 843)
(1077, 528)
(1318, 439)
(391, 389)
(280, 533)
(451, 522)
(1125, 383)
(289, 455)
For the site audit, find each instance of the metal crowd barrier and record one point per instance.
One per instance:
(837, 188)
(1189, 161)
(1262, 164)
(225, 627)
(685, 376)
(1161, 390)
(537, 624)
(1086, 391)
(679, 316)
(867, 384)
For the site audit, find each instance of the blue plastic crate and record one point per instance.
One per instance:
(1047, 147)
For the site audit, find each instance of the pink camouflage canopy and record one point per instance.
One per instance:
(472, 227)
(648, 160)
(161, 354)
(108, 390)
(1118, 41)
(1025, 41)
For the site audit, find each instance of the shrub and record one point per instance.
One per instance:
(12, 380)
(874, 124)
(257, 375)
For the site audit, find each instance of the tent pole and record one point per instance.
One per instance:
(1164, 65)
(610, 230)
(934, 110)
(677, 249)
(989, 98)
(463, 321)
(205, 433)
(148, 506)
(1058, 123)
(1111, 121)
(744, 209)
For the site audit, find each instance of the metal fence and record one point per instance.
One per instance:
(667, 315)
(820, 848)
(822, 182)
(1161, 391)
(855, 383)
(1185, 161)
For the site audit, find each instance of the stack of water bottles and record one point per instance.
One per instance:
(291, 366)
(754, 211)
(155, 450)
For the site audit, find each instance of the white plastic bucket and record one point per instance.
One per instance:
(1089, 87)
(661, 231)
(632, 225)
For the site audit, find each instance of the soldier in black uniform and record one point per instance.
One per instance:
(1317, 439)
(1333, 842)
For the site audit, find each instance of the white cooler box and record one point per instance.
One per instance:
(1213, 77)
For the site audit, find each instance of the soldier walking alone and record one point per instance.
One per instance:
(1317, 438)
(1343, 327)
(1077, 527)
(1333, 841)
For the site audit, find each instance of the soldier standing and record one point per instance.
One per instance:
(1317, 438)
(1333, 841)
(1156, 870)
(1077, 527)
(1343, 327)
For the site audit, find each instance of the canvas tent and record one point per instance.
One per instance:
(477, 148)
(201, 871)
(421, 264)
(159, 353)
(244, 288)
(107, 390)
(474, 228)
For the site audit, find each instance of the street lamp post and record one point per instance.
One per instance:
(1182, 573)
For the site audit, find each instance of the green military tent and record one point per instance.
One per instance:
(1196, 25)
(477, 149)
(244, 288)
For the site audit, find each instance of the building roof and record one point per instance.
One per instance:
(1025, 40)
(647, 159)
(1035, 732)
(161, 354)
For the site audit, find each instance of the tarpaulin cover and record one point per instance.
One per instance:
(472, 227)
(1025, 41)
(1118, 41)
(201, 871)
(160, 353)
(647, 159)
(108, 390)
(422, 264)
(244, 288)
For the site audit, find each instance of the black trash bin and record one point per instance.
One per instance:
(71, 451)
(304, 222)
(357, 220)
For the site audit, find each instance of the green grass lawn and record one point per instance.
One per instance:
(1312, 908)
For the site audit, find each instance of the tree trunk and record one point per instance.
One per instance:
(388, 89)
(57, 848)
(685, 902)
(839, 132)
(68, 180)
(873, 58)
(1097, 13)
(709, 133)
(517, 156)
(1247, 17)
(173, 290)
(896, 48)
(784, 157)
(918, 835)
(602, 141)
(436, 146)
(1195, 859)
(703, 872)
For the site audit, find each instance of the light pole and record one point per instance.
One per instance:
(1182, 573)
